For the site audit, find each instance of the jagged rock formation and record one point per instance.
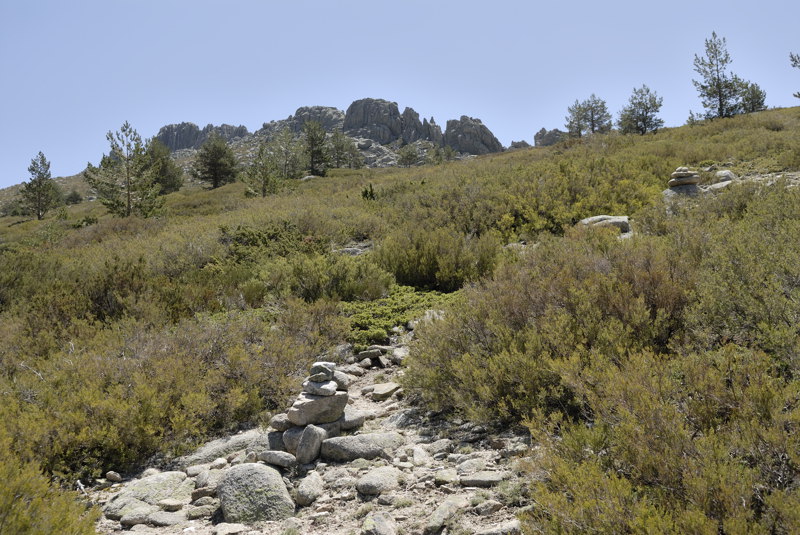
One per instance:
(544, 137)
(470, 135)
(330, 118)
(375, 119)
(190, 136)
(519, 145)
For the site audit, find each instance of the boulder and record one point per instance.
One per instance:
(366, 446)
(512, 527)
(252, 493)
(280, 422)
(618, 221)
(352, 419)
(343, 380)
(165, 518)
(209, 478)
(149, 491)
(291, 438)
(310, 444)
(378, 480)
(311, 487)
(311, 409)
(484, 478)
(471, 136)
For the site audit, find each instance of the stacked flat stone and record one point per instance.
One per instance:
(683, 177)
(318, 413)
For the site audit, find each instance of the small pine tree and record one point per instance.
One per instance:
(640, 115)
(752, 97)
(588, 117)
(40, 193)
(123, 181)
(407, 156)
(719, 89)
(165, 172)
(215, 163)
(263, 174)
(315, 148)
(794, 60)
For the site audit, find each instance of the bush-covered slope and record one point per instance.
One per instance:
(121, 339)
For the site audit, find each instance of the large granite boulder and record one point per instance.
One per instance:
(253, 493)
(375, 119)
(471, 136)
(255, 439)
(143, 496)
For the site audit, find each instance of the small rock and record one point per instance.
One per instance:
(352, 419)
(489, 507)
(420, 456)
(470, 466)
(444, 445)
(278, 458)
(205, 500)
(311, 409)
(164, 518)
(171, 505)
(218, 463)
(311, 487)
(369, 354)
(448, 476)
(483, 479)
(511, 527)
(253, 493)
(383, 391)
(378, 524)
(291, 438)
(201, 511)
(725, 175)
(366, 446)
(378, 480)
(382, 362)
(150, 472)
(209, 478)
(114, 477)
(448, 508)
(196, 469)
(354, 369)
(365, 363)
(323, 368)
(225, 528)
(343, 380)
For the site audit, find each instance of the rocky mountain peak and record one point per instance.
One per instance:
(190, 136)
(470, 135)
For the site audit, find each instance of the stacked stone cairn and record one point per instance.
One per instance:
(683, 177)
(319, 412)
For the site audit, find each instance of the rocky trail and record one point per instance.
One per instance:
(361, 460)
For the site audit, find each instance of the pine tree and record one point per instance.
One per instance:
(215, 162)
(640, 115)
(752, 97)
(122, 181)
(288, 152)
(719, 89)
(40, 193)
(794, 59)
(263, 174)
(588, 117)
(164, 170)
(316, 151)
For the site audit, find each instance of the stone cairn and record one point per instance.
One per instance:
(318, 413)
(683, 177)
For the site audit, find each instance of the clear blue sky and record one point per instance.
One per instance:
(73, 70)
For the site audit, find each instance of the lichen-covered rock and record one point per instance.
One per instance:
(149, 491)
(255, 439)
(311, 487)
(253, 493)
(378, 480)
(378, 524)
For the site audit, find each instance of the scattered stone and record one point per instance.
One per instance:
(511, 527)
(399, 355)
(470, 466)
(369, 354)
(448, 476)
(280, 422)
(278, 458)
(136, 516)
(489, 507)
(309, 408)
(366, 446)
(365, 363)
(354, 369)
(311, 487)
(206, 500)
(114, 477)
(203, 492)
(253, 493)
(171, 505)
(165, 518)
(725, 175)
(333, 429)
(483, 478)
(444, 445)
(420, 456)
(310, 444)
(378, 480)
(448, 508)
(378, 524)
(225, 528)
(201, 511)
